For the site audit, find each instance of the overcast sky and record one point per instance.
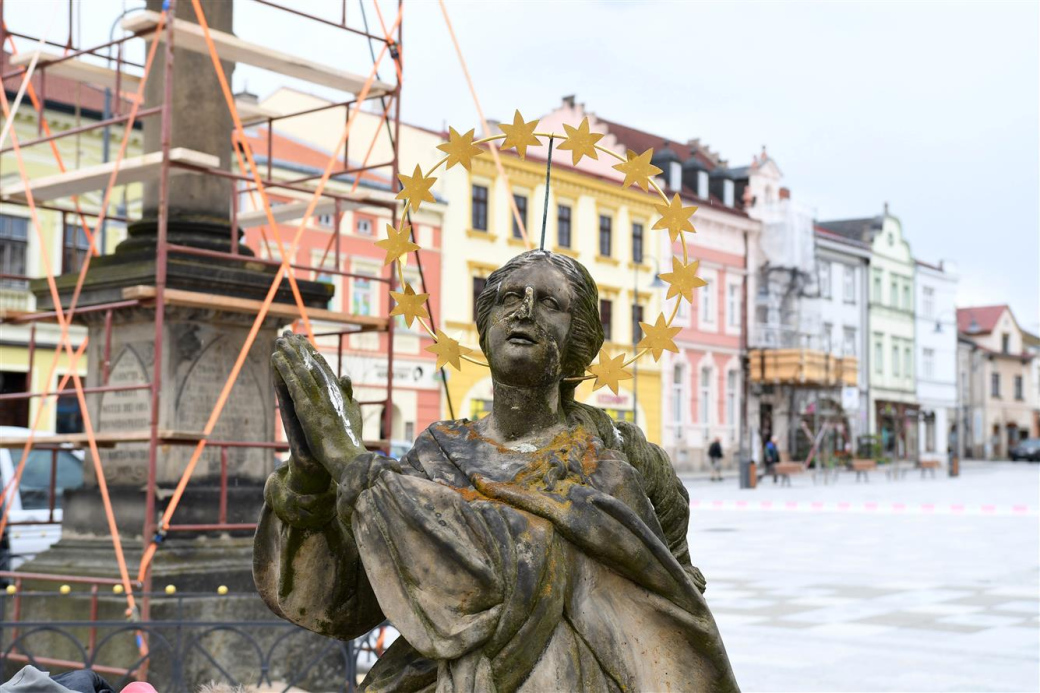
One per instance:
(932, 107)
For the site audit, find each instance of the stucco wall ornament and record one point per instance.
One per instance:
(461, 149)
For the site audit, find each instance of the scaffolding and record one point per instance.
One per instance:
(249, 181)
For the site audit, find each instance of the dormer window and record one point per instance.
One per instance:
(702, 184)
(727, 192)
(1005, 343)
(674, 176)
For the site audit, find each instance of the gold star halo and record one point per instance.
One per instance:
(415, 189)
(675, 217)
(410, 304)
(448, 350)
(659, 337)
(581, 141)
(638, 170)
(609, 371)
(460, 149)
(397, 243)
(683, 279)
(519, 135)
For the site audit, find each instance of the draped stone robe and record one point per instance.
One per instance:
(503, 570)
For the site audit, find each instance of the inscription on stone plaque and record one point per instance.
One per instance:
(127, 410)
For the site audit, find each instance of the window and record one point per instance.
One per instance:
(849, 291)
(563, 226)
(994, 385)
(1018, 388)
(74, 248)
(876, 290)
(928, 363)
(1005, 343)
(637, 242)
(828, 329)
(14, 236)
(521, 207)
(637, 317)
(907, 304)
(705, 398)
(604, 235)
(68, 416)
(35, 487)
(733, 305)
(14, 412)
(928, 302)
(895, 360)
(879, 355)
(364, 227)
(479, 208)
(908, 362)
(478, 287)
(848, 347)
(707, 293)
(893, 296)
(823, 275)
(677, 400)
(731, 398)
(325, 221)
(606, 310)
(363, 296)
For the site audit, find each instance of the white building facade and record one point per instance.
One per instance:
(936, 345)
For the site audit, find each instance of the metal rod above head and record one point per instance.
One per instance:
(545, 207)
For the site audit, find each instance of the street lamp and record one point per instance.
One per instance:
(655, 284)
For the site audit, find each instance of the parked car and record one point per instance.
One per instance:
(1028, 449)
(23, 538)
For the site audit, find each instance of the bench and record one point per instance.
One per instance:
(862, 467)
(928, 465)
(897, 470)
(785, 469)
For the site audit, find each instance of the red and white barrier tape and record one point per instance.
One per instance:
(868, 508)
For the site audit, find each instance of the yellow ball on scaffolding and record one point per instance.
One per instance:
(170, 589)
(64, 589)
(118, 589)
(11, 589)
(222, 589)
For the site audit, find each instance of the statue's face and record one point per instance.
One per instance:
(529, 326)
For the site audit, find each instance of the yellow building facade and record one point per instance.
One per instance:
(590, 219)
(61, 245)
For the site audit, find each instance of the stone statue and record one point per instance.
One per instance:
(542, 548)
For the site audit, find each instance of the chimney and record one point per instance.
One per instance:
(785, 193)
(569, 100)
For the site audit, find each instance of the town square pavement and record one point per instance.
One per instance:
(915, 584)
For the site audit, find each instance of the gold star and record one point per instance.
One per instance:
(460, 149)
(409, 304)
(416, 189)
(658, 338)
(675, 218)
(397, 243)
(609, 371)
(520, 135)
(683, 279)
(581, 142)
(448, 350)
(638, 170)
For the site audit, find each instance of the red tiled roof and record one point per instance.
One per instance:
(60, 90)
(984, 317)
(640, 141)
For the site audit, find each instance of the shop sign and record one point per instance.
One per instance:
(368, 370)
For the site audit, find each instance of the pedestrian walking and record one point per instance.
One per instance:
(772, 458)
(715, 456)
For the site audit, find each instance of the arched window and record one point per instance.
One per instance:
(705, 396)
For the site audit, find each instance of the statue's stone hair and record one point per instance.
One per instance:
(586, 335)
(664, 489)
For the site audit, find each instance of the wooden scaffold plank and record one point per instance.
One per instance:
(135, 169)
(190, 36)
